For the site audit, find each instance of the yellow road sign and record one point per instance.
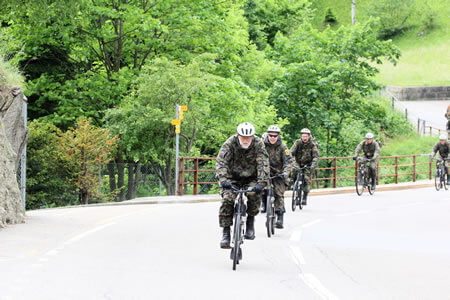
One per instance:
(183, 108)
(176, 122)
(181, 115)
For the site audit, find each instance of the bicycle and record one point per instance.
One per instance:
(240, 214)
(299, 188)
(270, 207)
(440, 178)
(363, 179)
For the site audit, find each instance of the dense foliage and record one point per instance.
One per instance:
(125, 65)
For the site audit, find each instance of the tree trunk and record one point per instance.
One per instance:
(137, 180)
(112, 177)
(130, 180)
(120, 176)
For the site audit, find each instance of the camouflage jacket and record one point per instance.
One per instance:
(306, 153)
(444, 150)
(279, 157)
(234, 163)
(371, 150)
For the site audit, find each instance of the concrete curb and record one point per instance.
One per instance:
(216, 197)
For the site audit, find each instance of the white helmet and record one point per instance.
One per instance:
(369, 135)
(274, 128)
(443, 136)
(305, 130)
(246, 129)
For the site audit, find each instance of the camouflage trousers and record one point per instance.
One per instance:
(446, 164)
(279, 187)
(226, 210)
(307, 177)
(373, 168)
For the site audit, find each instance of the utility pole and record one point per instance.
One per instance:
(353, 12)
(180, 109)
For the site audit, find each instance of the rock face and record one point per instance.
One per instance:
(13, 135)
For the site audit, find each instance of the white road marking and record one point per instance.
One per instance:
(314, 283)
(298, 256)
(83, 235)
(43, 259)
(296, 236)
(353, 213)
(311, 223)
(52, 252)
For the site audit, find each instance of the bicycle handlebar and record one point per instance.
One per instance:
(363, 159)
(237, 191)
(302, 168)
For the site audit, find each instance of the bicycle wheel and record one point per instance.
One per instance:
(294, 196)
(272, 221)
(269, 214)
(369, 187)
(437, 181)
(359, 183)
(445, 181)
(236, 250)
(299, 197)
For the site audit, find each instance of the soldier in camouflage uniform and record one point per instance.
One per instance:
(443, 148)
(447, 115)
(242, 162)
(305, 151)
(371, 150)
(280, 164)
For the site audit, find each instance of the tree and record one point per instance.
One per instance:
(216, 106)
(327, 76)
(85, 148)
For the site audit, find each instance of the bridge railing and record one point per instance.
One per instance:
(197, 174)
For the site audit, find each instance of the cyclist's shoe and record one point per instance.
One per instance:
(305, 194)
(279, 223)
(250, 228)
(225, 242)
(263, 205)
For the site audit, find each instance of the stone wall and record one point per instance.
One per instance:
(420, 92)
(13, 135)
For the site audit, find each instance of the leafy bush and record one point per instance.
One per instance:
(48, 181)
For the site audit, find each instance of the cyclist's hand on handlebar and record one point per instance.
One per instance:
(355, 157)
(258, 188)
(226, 185)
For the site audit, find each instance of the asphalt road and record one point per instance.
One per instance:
(431, 111)
(393, 245)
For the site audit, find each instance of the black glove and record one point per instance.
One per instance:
(354, 157)
(226, 185)
(258, 188)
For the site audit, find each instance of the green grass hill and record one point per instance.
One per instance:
(425, 50)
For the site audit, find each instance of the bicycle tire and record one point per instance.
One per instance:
(359, 184)
(272, 220)
(299, 197)
(444, 178)
(236, 239)
(437, 181)
(268, 216)
(294, 192)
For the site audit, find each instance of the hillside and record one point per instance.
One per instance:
(425, 52)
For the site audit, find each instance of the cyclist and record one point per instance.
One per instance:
(371, 150)
(443, 149)
(280, 164)
(305, 151)
(242, 160)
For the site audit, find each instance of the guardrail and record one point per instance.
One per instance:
(332, 171)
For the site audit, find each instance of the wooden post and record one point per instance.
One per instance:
(431, 170)
(335, 172)
(396, 170)
(195, 176)
(414, 168)
(181, 176)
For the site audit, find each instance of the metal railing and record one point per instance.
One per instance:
(332, 172)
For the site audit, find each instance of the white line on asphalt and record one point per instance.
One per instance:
(36, 265)
(298, 256)
(296, 236)
(43, 259)
(311, 223)
(360, 212)
(314, 283)
(82, 235)
(52, 252)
